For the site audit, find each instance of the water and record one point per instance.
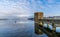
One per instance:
(10, 28)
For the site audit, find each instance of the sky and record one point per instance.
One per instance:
(26, 8)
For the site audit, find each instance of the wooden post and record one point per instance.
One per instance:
(37, 16)
(54, 27)
(48, 23)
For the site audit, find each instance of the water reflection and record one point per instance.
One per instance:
(10, 28)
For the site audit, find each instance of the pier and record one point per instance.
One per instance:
(39, 21)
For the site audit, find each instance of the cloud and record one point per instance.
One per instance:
(27, 7)
(11, 7)
(50, 1)
(17, 7)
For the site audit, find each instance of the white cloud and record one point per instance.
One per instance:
(50, 1)
(27, 7)
(23, 15)
(10, 7)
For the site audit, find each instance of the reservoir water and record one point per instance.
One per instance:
(10, 28)
(18, 28)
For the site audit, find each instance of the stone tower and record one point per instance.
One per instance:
(37, 16)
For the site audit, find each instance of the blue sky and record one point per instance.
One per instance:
(28, 7)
